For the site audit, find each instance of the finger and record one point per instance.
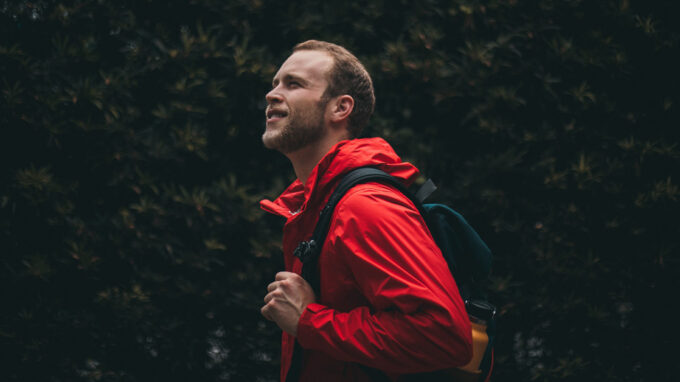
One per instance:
(268, 297)
(265, 312)
(272, 286)
(284, 275)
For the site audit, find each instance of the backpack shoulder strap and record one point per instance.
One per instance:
(309, 251)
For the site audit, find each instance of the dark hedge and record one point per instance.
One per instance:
(132, 247)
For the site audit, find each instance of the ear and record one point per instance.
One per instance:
(341, 107)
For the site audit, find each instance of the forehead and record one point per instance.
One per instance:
(310, 65)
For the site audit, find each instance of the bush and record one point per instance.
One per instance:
(133, 247)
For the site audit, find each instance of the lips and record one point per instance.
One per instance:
(275, 114)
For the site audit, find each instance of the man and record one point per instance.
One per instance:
(388, 305)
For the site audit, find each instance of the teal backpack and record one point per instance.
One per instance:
(468, 257)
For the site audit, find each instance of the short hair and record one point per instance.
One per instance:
(346, 76)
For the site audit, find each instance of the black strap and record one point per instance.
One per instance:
(309, 251)
(425, 190)
(295, 369)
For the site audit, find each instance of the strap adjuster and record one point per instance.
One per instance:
(305, 250)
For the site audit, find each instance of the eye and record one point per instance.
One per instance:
(294, 84)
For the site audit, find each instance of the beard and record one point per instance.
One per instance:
(300, 129)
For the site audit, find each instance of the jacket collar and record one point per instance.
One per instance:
(345, 156)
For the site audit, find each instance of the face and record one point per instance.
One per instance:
(295, 107)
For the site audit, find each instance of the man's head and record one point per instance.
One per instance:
(319, 85)
(346, 76)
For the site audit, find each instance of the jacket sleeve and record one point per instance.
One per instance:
(416, 320)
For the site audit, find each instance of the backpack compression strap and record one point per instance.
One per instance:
(308, 251)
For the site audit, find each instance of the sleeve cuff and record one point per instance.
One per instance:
(305, 324)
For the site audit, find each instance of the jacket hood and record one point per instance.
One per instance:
(345, 156)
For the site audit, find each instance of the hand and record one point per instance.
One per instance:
(288, 297)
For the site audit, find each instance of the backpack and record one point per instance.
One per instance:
(468, 257)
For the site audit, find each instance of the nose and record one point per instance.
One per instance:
(273, 96)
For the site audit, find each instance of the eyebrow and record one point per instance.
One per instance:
(288, 78)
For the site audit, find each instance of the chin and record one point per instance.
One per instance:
(270, 139)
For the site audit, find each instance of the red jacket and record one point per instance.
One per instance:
(387, 298)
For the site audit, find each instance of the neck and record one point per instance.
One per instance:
(305, 159)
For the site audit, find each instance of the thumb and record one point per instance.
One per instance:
(285, 275)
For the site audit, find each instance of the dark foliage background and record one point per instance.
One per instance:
(132, 247)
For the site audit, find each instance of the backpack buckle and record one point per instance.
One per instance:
(305, 250)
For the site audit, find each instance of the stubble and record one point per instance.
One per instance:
(301, 129)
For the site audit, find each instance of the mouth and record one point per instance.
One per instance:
(275, 114)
